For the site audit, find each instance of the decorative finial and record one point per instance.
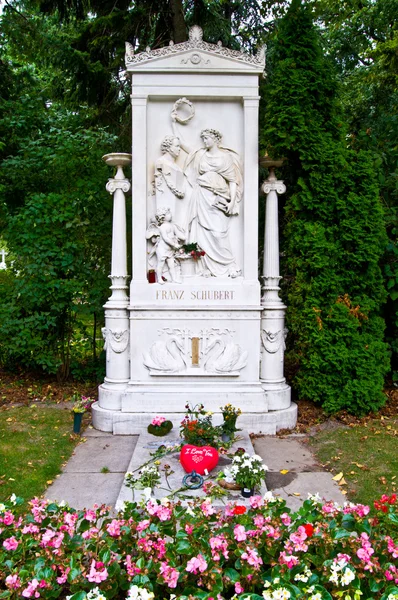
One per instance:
(129, 49)
(171, 43)
(195, 34)
(148, 49)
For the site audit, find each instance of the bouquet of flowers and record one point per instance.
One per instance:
(192, 249)
(81, 403)
(147, 477)
(248, 471)
(230, 415)
(197, 427)
(159, 426)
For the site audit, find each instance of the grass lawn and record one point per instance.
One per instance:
(366, 455)
(35, 441)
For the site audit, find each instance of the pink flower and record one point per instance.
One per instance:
(169, 574)
(392, 547)
(288, 559)
(30, 528)
(252, 557)
(157, 421)
(219, 544)
(189, 529)
(259, 521)
(240, 533)
(113, 528)
(132, 570)
(90, 533)
(256, 501)
(10, 543)
(64, 577)
(207, 508)
(164, 513)
(90, 515)
(8, 518)
(197, 563)
(97, 573)
(142, 525)
(238, 588)
(286, 520)
(13, 582)
(30, 590)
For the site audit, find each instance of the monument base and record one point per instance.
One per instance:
(137, 411)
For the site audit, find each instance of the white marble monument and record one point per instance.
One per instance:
(194, 327)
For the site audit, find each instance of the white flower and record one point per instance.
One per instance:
(95, 594)
(316, 596)
(269, 497)
(2, 507)
(165, 501)
(347, 576)
(276, 580)
(62, 503)
(267, 584)
(315, 498)
(137, 593)
(281, 594)
(267, 595)
(13, 499)
(122, 506)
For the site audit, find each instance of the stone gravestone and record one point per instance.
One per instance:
(193, 328)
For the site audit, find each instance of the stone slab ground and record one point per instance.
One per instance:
(82, 484)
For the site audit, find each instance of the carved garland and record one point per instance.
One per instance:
(195, 42)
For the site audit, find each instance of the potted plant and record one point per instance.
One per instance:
(248, 472)
(230, 415)
(197, 427)
(80, 406)
(159, 426)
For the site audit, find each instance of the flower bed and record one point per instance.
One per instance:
(165, 550)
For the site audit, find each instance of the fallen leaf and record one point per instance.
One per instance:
(338, 476)
(49, 482)
(383, 480)
(344, 492)
(284, 471)
(11, 479)
(296, 494)
(342, 481)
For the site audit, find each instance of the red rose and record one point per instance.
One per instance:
(239, 510)
(393, 499)
(309, 529)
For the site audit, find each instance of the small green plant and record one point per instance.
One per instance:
(105, 470)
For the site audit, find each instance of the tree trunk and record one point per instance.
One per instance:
(178, 19)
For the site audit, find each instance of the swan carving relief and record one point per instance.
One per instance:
(224, 358)
(166, 356)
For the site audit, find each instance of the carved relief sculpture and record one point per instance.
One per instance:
(213, 351)
(169, 177)
(167, 237)
(115, 340)
(215, 175)
(274, 342)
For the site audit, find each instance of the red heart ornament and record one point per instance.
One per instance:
(199, 459)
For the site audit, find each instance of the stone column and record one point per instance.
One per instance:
(116, 330)
(273, 332)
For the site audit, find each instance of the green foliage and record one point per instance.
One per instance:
(363, 39)
(60, 237)
(334, 232)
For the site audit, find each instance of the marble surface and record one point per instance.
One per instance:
(147, 443)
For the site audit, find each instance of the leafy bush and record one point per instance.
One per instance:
(166, 550)
(334, 234)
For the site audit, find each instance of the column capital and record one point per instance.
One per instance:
(275, 185)
(118, 184)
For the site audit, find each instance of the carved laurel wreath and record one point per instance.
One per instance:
(178, 117)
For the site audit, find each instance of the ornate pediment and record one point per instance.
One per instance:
(195, 54)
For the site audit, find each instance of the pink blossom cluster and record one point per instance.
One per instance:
(169, 574)
(159, 510)
(157, 421)
(197, 564)
(365, 552)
